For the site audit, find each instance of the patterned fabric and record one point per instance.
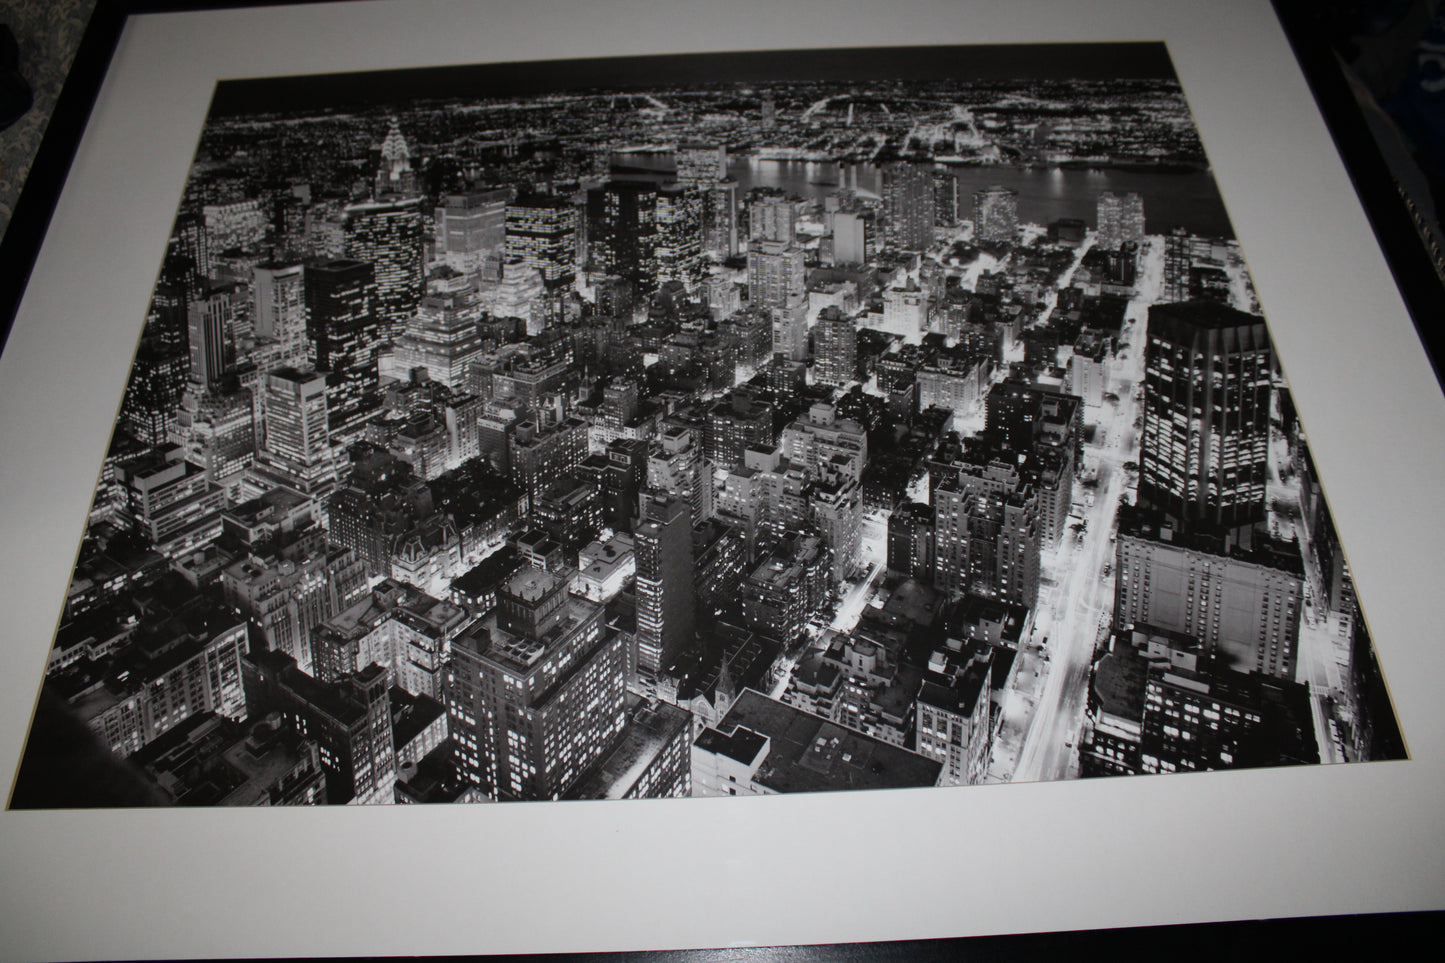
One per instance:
(47, 33)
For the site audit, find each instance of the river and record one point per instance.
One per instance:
(1187, 199)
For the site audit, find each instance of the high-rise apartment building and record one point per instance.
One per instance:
(288, 593)
(995, 214)
(773, 217)
(700, 165)
(676, 467)
(536, 692)
(908, 202)
(217, 430)
(835, 344)
(776, 275)
(1120, 219)
(720, 219)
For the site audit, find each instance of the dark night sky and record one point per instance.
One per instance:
(1102, 61)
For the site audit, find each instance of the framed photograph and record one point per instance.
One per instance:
(186, 89)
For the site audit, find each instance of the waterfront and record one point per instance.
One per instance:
(1172, 198)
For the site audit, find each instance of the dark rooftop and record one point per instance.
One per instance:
(810, 754)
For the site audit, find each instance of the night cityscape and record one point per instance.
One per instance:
(702, 434)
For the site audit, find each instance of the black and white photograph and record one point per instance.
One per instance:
(702, 425)
(1071, 542)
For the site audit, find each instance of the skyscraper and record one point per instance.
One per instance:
(773, 217)
(908, 201)
(1207, 392)
(542, 233)
(700, 165)
(536, 691)
(394, 174)
(345, 334)
(666, 603)
(679, 236)
(1120, 218)
(622, 232)
(835, 339)
(995, 214)
(279, 308)
(209, 320)
(387, 235)
(471, 230)
(296, 446)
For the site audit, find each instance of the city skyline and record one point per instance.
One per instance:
(809, 373)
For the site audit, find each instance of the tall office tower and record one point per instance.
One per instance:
(471, 228)
(622, 232)
(295, 448)
(1207, 393)
(720, 219)
(679, 236)
(279, 309)
(666, 600)
(676, 467)
(394, 174)
(209, 322)
(835, 341)
(387, 235)
(345, 334)
(773, 217)
(542, 234)
(700, 165)
(995, 214)
(442, 340)
(1120, 219)
(537, 690)
(153, 393)
(908, 204)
